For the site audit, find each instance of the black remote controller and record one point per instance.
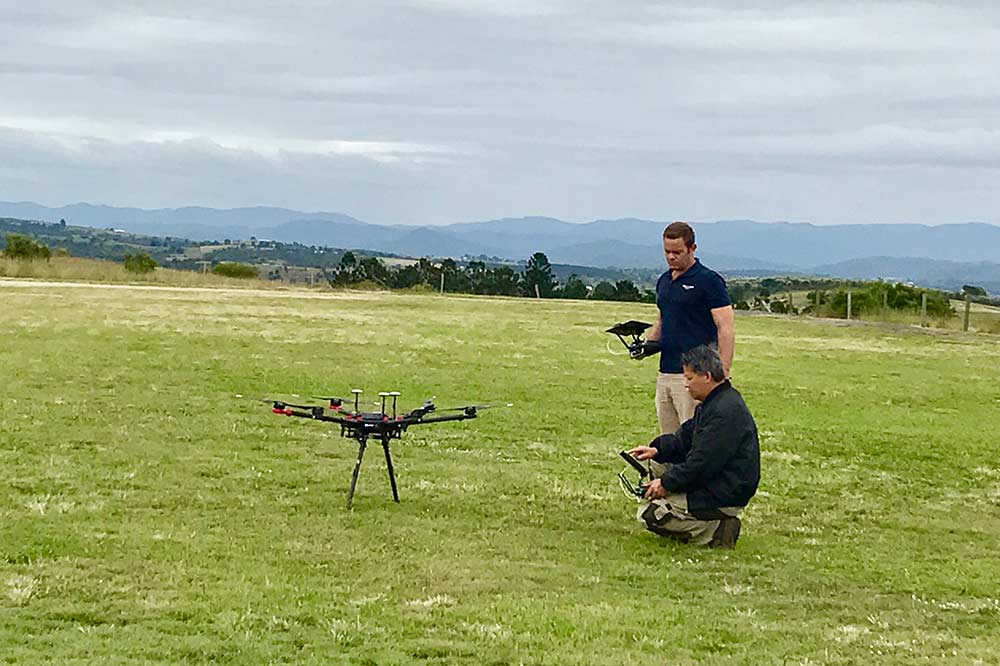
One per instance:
(636, 465)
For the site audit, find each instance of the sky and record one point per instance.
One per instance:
(443, 111)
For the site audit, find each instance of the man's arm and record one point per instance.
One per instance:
(653, 332)
(674, 447)
(718, 440)
(724, 322)
(668, 448)
(647, 346)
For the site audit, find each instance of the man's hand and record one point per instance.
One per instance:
(655, 490)
(642, 452)
(642, 348)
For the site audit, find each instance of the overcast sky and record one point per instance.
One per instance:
(439, 111)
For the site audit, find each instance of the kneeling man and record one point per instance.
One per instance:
(710, 466)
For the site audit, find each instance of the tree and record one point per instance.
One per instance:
(455, 279)
(140, 262)
(604, 291)
(373, 270)
(23, 247)
(504, 281)
(574, 288)
(404, 278)
(973, 290)
(625, 290)
(770, 284)
(347, 269)
(478, 277)
(538, 271)
(348, 261)
(739, 292)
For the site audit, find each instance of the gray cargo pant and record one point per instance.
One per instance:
(669, 517)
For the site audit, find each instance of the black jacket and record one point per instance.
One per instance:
(715, 456)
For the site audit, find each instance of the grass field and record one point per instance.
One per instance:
(147, 515)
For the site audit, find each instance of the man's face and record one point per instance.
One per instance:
(698, 385)
(679, 256)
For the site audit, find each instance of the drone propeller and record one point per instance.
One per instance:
(334, 401)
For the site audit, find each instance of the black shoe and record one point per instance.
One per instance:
(726, 533)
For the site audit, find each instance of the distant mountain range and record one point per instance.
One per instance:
(945, 256)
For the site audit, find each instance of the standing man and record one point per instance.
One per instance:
(694, 310)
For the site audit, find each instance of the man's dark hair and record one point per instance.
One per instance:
(703, 359)
(680, 230)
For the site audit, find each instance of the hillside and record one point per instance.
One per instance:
(944, 256)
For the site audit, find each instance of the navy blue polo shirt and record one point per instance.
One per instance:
(686, 306)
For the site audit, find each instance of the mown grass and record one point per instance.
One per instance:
(149, 516)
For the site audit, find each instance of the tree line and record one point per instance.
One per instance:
(822, 296)
(536, 279)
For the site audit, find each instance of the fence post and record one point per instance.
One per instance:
(968, 299)
(923, 309)
(537, 295)
(442, 282)
(791, 306)
(885, 300)
(848, 303)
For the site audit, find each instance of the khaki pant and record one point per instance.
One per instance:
(669, 517)
(674, 405)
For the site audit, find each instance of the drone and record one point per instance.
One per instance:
(381, 425)
(637, 347)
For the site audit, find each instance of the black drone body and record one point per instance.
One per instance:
(380, 425)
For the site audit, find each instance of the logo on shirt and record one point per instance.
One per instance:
(688, 286)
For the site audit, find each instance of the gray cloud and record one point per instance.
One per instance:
(427, 111)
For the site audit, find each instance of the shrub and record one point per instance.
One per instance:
(899, 297)
(23, 247)
(140, 262)
(234, 269)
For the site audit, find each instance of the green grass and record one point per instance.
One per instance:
(149, 516)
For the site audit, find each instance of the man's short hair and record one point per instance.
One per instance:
(680, 230)
(704, 360)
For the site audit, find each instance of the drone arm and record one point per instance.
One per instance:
(316, 415)
(440, 419)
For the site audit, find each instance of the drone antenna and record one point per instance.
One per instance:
(394, 394)
(383, 395)
(356, 392)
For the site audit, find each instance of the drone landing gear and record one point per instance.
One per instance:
(362, 445)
